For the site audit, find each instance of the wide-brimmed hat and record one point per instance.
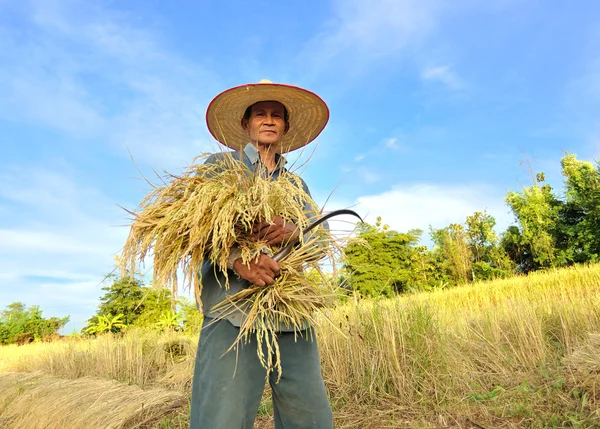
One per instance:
(308, 114)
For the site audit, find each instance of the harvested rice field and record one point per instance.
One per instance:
(514, 353)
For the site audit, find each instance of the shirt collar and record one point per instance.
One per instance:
(253, 155)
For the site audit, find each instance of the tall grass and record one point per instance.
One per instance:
(428, 346)
(141, 357)
(524, 351)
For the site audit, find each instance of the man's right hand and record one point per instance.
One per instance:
(261, 272)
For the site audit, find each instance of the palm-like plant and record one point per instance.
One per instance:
(169, 320)
(106, 323)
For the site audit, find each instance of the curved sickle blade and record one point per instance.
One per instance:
(287, 249)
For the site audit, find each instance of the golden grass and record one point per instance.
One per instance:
(37, 401)
(521, 352)
(430, 345)
(140, 357)
(202, 213)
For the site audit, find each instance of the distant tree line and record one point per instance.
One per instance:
(551, 231)
(22, 325)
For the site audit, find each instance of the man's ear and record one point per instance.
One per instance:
(244, 123)
(287, 128)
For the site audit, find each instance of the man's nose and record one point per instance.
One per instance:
(268, 119)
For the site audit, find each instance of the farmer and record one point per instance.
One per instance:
(259, 122)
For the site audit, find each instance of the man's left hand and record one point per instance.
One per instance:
(277, 231)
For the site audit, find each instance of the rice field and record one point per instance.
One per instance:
(515, 353)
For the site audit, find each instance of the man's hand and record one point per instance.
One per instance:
(261, 272)
(277, 232)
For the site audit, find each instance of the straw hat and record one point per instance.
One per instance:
(308, 113)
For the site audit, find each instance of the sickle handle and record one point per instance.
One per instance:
(290, 246)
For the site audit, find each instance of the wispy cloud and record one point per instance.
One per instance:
(92, 74)
(368, 175)
(383, 147)
(444, 75)
(58, 240)
(361, 32)
(391, 143)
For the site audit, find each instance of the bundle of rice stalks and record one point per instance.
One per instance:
(212, 207)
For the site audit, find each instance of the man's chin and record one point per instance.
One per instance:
(269, 144)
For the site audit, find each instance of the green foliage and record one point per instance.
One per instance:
(581, 216)
(480, 235)
(489, 259)
(192, 317)
(133, 302)
(455, 255)
(21, 324)
(382, 262)
(551, 232)
(169, 320)
(472, 253)
(155, 304)
(104, 324)
(537, 212)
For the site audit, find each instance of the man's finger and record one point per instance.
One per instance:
(257, 228)
(278, 220)
(274, 235)
(274, 266)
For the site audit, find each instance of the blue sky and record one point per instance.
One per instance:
(435, 105)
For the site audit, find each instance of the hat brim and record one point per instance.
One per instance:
(308, 114)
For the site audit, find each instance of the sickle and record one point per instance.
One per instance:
(287, 249)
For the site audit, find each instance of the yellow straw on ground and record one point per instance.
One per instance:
(37, 401)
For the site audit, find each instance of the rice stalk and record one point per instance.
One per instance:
(203, 213)
(292, 302)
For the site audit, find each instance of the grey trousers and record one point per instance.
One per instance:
(224, 400)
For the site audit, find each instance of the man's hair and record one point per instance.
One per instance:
(249, 111)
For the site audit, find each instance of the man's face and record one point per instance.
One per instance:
(266, 125)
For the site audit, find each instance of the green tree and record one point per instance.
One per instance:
(156, 302)
(581, 214)
(381, 261)
(480, 235)
(192, 317)
(553, 232)
(138, 304)
(489, 258)
(20, 323)
(537, 211)
(455, 254)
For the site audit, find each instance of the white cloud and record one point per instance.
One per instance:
(418, 206)
(369, 176)
(444, 75)
(378, 150)
(391, 143)
(26, 241)
(58, 240)
(361, 32)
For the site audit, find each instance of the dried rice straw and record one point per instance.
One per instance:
(202, 213)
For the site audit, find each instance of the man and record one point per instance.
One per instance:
(260, 122)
